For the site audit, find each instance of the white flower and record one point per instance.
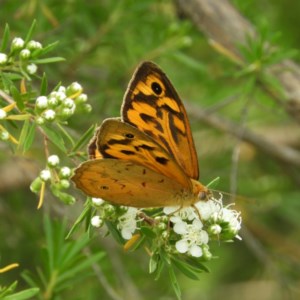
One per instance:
(127, 223)
(3, 58)
(97, 201)
(25, 53)
(96, 221)
(45, 175)
(192, 237)
(208, 209)
(53, 160)
(41, 102)
(49, 114)
(3, 114)
(233, 218)
(31, 69)
(221, 217)
(17, 43)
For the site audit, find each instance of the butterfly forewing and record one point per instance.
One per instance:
(126, 183)
(153, 106)
(119, 140)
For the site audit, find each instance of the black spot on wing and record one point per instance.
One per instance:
(127, 152)
(161, 160)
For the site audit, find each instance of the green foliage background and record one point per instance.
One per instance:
(102, 42)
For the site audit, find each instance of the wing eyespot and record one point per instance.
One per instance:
(156, 88)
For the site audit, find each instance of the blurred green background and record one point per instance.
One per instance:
(102, 42)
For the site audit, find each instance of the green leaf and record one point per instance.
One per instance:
(18, 117)
(85, 138)
(30, 32)
(5, 38)
(114, 232)
(174, 283)
(29, 138)
(153, 263)
(65, 133)
(26, 294)
(17, 97)
(196, 264)
(186, 269)
(47, 60)
(45, 50)
(23, 135)
(54, 137)
(148, 232)
(44, 85)
(86, 214)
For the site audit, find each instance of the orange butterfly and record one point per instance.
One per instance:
(146, 158)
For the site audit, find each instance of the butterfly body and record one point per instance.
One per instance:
(147, 157)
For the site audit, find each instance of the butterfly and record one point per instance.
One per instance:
(147, 157)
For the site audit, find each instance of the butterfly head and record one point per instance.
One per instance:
(201, 192)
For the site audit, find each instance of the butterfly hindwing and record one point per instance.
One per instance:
(152, 105)
(119, 140)
(126, 183)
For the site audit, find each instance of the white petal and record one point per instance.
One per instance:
(197, 224)
(180, 227)
(170, 209)
(195, 251)
(182, 246)
(126, 233)
(175, 219)
(203, 237)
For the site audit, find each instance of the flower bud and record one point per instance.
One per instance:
(3, 114)
(40, 120)
(97, 201)
(41, 102)
(49, 114)
(3, 58)
(31, 69)
(4, 135)
(33, 45)
(53, 102)
(45, 175)
(36, 185)
(64, 184)
(25, 54)
(96, 221)
(17, 43)
(53, 161)
(65, 172)
(82, 98)
(74, 88)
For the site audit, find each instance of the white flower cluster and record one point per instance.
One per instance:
(61, 104)
(192, 227)
(26, 51)
(198, 225)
